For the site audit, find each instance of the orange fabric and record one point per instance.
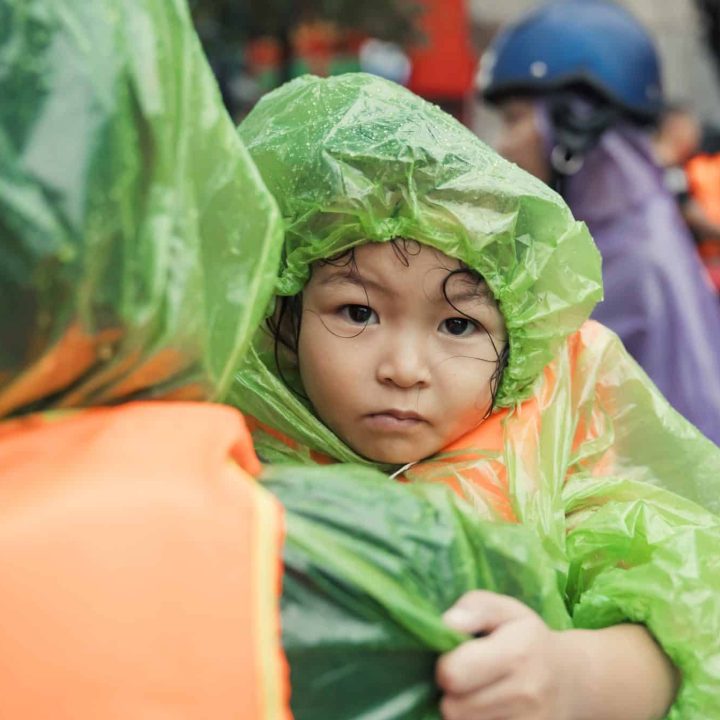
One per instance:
(703, 173)
(255, 425)
(72, 355)
(139, 568)
(472, 467)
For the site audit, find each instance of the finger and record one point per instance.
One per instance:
(472, 666)
(482, 611)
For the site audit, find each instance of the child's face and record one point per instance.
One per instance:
(387, 362)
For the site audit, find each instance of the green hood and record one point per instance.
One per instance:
(355, 158)
(138, 245)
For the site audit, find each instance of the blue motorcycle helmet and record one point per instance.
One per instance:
(593, 49)
(593, 45)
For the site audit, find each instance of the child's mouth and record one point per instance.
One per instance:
(390, 420)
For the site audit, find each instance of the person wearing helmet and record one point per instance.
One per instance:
(578, 86)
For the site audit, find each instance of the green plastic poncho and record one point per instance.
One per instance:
(138, 243)
(138, 251)
(620, 489)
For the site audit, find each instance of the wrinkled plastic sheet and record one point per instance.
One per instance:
(370, 566)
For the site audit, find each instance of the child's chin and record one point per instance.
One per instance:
(392, 456)
(393, 449)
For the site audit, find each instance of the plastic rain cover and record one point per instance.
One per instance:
(136, 249)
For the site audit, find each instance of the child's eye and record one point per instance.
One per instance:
(458, 326)
(359, 314)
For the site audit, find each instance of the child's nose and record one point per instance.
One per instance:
(404, 364)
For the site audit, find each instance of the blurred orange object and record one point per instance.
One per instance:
(703, 173)
(704, 178)
(139, 568)
(710, 254)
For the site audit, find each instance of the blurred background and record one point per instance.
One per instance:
(430, 45)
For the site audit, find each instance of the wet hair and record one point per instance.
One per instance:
(285, 323)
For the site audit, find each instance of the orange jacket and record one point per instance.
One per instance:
(139, 567)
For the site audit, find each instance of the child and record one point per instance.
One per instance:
(430, 323)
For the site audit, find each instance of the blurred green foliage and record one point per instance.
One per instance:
(225, 26)
(239, 20)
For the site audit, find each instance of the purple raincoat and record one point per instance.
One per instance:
(658, 298)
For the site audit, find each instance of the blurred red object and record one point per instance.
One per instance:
(263, 51)
(444, 66)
